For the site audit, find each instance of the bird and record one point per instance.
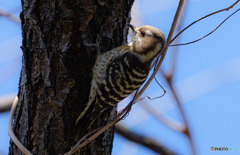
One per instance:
(119, 72)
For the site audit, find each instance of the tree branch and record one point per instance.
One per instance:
(174, 50)
(169, 76)
(6, 103)
(11, 132)
(9, 16)
(225, 9)
(191, 42)
(143, 140)
(180, 107)
(166, 121)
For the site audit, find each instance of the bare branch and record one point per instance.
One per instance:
(191, 42)
(143, 140)
(168, 76)
(6, 103)
(9, 16)
(11, 132)
(174, 50)
(180, 107)
(225, 9)
(172, 124)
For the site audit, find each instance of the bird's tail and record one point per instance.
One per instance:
(84, 111)
(89, 115)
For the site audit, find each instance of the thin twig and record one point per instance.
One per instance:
(157, 97)
(11, 132)
(174, 50)
(9, 16)
(191, 42)
(6, 103)
(172, 124)
(225, 9)
(137, 95)
(143, 140)
(180, 107)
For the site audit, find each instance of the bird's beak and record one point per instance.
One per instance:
(132, 27)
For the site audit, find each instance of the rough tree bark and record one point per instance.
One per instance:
(56, 71)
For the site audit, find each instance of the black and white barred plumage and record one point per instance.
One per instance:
(119, 72)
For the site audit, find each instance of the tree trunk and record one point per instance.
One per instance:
(57, 70)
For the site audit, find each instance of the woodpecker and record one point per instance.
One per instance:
(122, 70)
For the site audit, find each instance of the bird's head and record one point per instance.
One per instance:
(147, 40)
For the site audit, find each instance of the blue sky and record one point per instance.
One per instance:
(207, 79)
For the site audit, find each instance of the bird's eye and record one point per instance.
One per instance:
(143, 34)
